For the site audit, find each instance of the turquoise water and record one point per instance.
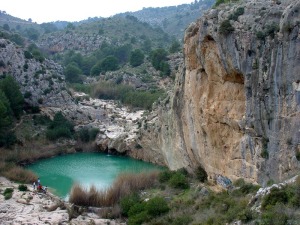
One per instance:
(98, 169)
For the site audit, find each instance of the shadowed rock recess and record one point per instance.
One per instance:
(235, 106)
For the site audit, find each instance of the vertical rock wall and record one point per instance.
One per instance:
(235, 107)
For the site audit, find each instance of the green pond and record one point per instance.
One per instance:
(61, 172)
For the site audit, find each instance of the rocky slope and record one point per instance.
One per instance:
(235, 107)
(43, 82)
(43, 85)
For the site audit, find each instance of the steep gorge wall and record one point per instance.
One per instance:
(236, 105)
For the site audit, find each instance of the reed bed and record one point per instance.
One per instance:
(124, 185)
(20, 174)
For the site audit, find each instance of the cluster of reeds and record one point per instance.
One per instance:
(20, 174)
(124, 185)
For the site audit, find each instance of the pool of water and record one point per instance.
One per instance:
(61, 172)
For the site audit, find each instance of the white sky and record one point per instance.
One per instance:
(67, 10)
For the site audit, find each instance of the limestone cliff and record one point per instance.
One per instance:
(235, 107)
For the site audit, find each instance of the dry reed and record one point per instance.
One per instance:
(19, 174)
(124, 185)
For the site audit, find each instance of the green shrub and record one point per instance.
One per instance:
(274, 216)
(136, 58)
(59, 127)
(8, 190)
(201, 174)
(22, 187)
(58, 132)
(8, 193)
(137, 208)
(159, 61)
(157, 206)
(139, 218)
(260, 35)
(272, 29)
(178, 180)
(129, 201)
(7, 196)
(226, 27)
(276, 196)
(236, 14)
(165, 176)
(87, 135)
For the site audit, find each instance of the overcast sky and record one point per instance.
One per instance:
(67, 10)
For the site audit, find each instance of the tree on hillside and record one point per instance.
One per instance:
(32, 33)
(122, 53)
(110, 63)
(96, 69)
(159, 61)
(12, 91)
(72, 73)
(175, 47)
(147, 45)
(6, 27)
(5, 112)
(136, 58)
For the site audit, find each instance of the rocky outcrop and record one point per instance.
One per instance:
(42, 83)
(235, 107)
(32, 207)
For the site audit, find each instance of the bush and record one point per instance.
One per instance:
(128, 201)
(178, 180)
(138, 219)
(87, 135)
(261, 35)
(59, 127)
(226, 27)
(136, 58)
(157, 206)
(58, 132)
(8, 193)
(110, 63)
(274, 216)
(276, 196)
(240, 11)
(159, 61)
(165, 176)
(22, 187)
(201, 174)
(137, 208)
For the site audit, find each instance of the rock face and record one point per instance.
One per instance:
(235, 107)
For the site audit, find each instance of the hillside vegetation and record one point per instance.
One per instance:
(173, 19)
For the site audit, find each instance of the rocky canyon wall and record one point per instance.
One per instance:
(235, 109)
